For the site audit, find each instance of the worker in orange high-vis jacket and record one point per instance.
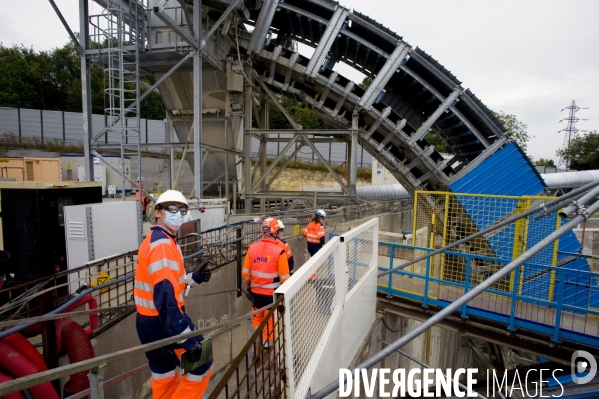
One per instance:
(144, 199)
(160, 282)
(283, 244)
(264, 270)
(314, 232)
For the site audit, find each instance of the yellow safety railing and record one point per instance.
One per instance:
(441, 218)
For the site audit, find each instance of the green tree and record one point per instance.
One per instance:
(516, 130)
(438, 142)
(51, 80)
(545, 162)
(21, 78)
(301, 113)
(366, 82)
(583, 152)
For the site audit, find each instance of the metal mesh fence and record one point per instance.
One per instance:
(552, 289)
(444, 218)
(359, 251)
(316, 301)
(310, 309)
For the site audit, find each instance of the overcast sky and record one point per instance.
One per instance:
(529, 58)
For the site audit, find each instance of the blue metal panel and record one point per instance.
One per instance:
(568, 243)
(507, 172)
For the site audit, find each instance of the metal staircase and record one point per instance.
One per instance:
(119, 35)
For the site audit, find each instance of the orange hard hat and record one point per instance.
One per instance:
(270, 226)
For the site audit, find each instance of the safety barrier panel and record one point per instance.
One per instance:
(257, 372)
(329, 306)
(514, 308)
(26, 300)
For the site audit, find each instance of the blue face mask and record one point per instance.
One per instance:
(173, 220)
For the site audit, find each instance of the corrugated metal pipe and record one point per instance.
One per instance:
(373, 192)
(397, 191)
(569, 179)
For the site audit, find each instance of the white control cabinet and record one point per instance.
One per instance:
(96, 231)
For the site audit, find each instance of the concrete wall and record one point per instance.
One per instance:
(439, 348)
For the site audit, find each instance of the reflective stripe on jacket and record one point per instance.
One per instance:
(314, 232)
(265, 267)
(160, 277)
(285, 246)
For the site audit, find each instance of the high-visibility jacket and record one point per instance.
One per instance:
(314, 232)
(160, 281)
(144, 201)
(265, 267)
(285, 246)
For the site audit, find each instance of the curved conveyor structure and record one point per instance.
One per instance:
(411, 94)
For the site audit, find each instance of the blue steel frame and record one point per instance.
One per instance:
(511, 321)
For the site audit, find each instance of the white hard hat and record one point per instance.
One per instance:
(281, 225)
(171, 196)
(321, 213)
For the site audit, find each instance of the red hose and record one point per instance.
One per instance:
(14, 395)
(36, 329)
(93, 317)
(23, 346)
(77, 344)
(18, 365)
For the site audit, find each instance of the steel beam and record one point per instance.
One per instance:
(353, 164)
(303, 136)
(325, 163)
(188, 15)
(383, 76)
(423, 129)
(314, 132)
(326, 41)
(120, 173)
(287, 161)
(148, 87)
(146, 93)
(86, 91)
(67, 27)
(185, 35)
(247, 145)
(325, 93)
(197, 101)
(218, 23)
(273, 164)
(267, 12)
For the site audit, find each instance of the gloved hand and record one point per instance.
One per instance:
(198, 277)
(249, 296)
(195, 353)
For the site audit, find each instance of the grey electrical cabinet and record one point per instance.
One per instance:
(99, 231)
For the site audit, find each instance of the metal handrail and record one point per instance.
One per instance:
(100, 361)
(255, 336)
(555, 205)
(463, 300)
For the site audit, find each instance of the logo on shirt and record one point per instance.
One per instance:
(262, 258)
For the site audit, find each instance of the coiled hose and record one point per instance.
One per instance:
(14, 395)
(76, 343)
(22, 345)
(18, 365)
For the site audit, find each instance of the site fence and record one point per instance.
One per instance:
(332, 294)
(45, 126)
